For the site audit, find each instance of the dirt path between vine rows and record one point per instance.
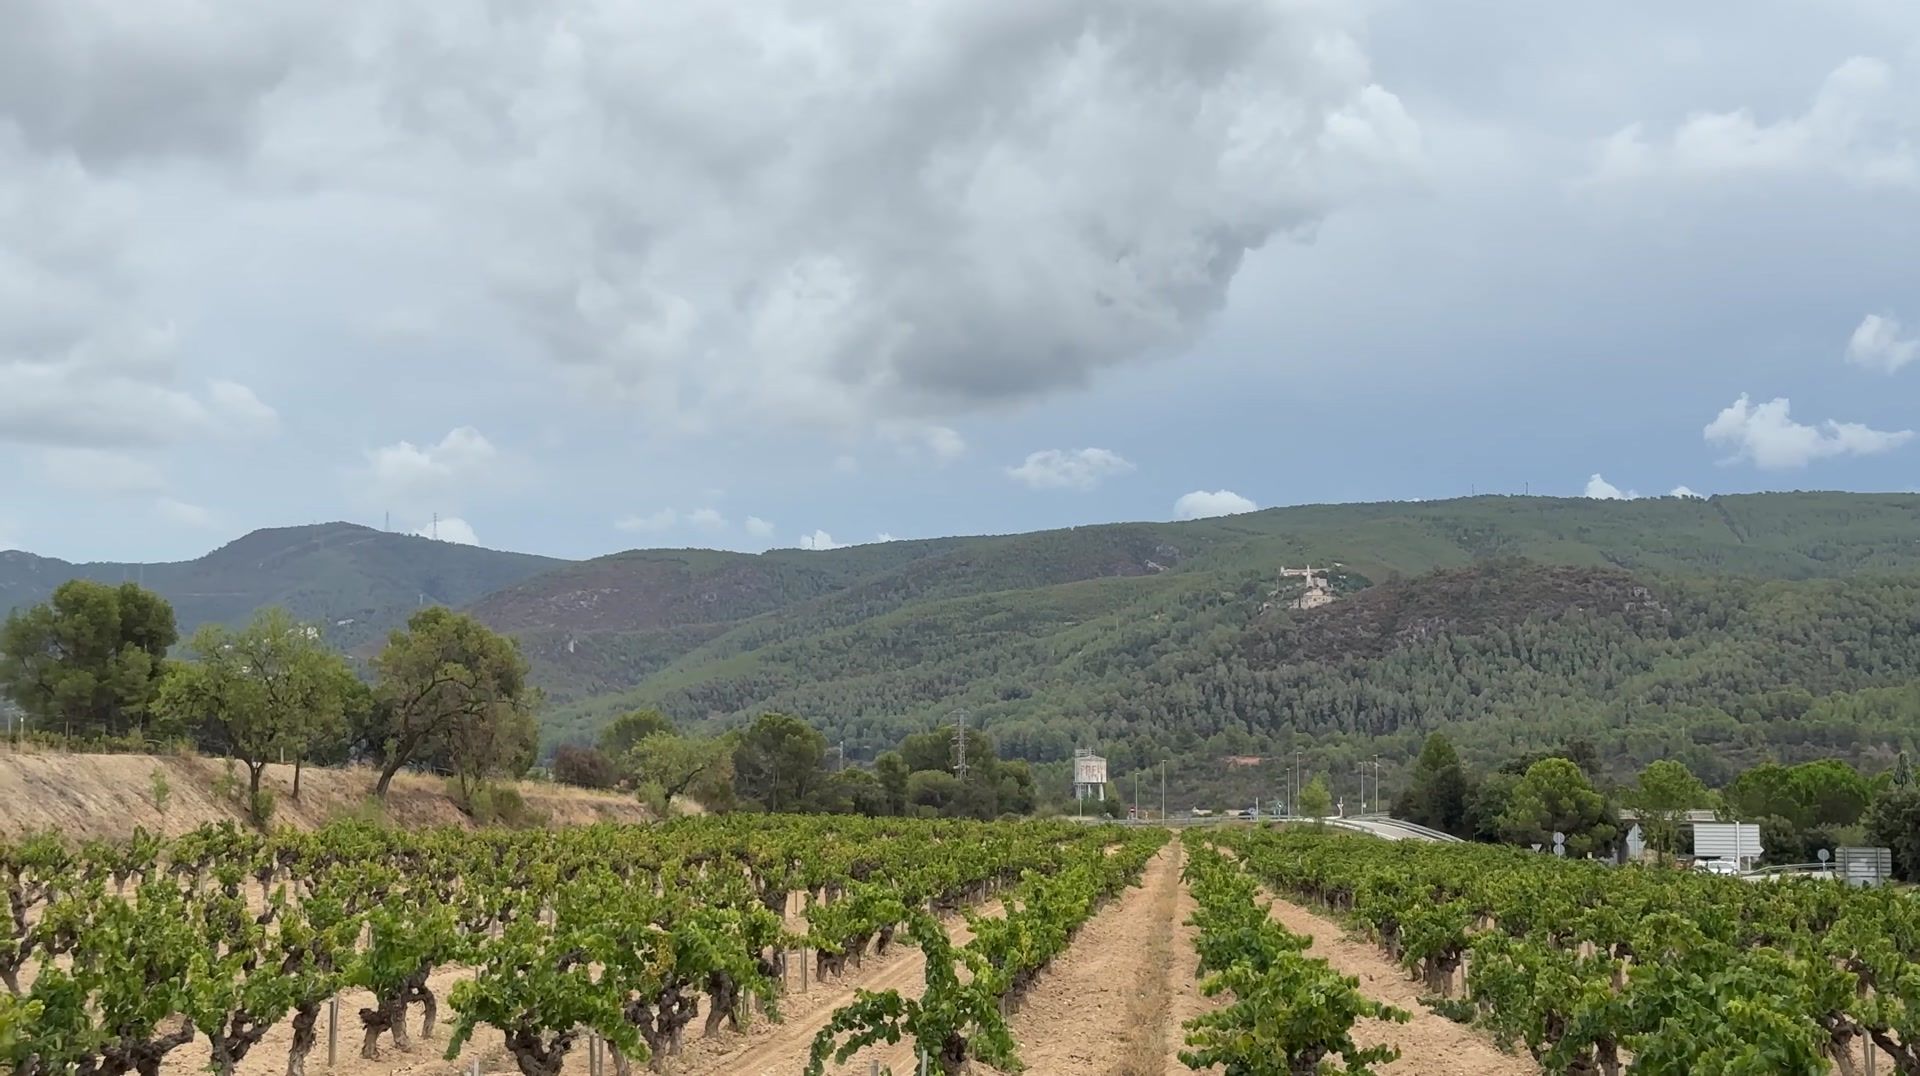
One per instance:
(1111, 1005)
(1430, 1044)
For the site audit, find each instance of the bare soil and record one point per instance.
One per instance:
(1184, 998)
(106, 796)
(1107, 1006)
(1430, 1044)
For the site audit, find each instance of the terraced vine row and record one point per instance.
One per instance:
(1600, 970)
(960, 1016)
(1290, 1014)
(114, 956)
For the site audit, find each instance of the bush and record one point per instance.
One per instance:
(261, 809)
(1894, 821)
(584, 767)
(497, 805)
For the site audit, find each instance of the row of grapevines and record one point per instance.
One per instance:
(114, 955)
(1290, 1013)
(960, 1014)
(1597, 969)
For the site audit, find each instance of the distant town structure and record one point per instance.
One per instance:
(1089, 775)
(1319, 589)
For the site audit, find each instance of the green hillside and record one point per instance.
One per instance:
(357, 582)
(1717, 631)
(1147, 639)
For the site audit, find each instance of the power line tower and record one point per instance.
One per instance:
(960, 744)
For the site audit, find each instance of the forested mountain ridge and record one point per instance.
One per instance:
(1771, 535)
(1720, 629)
(357, 582)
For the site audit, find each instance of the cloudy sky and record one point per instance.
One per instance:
(583, 275)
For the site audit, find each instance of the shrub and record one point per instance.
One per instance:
(584, 767)
(159, 790)
(497, 805)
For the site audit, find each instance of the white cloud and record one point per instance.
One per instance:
(237, 410)
(1600, 489)
(668, 518)
(1767, 437)
(820, 539)
(1083, 468)
(412, 474)
(883, 537)
(451, 529)
(1201, 504)
(664, 519)
(943, 443)
(184, 514)
(1879, 345)
(1860, 126)
(1682, 491)
(101, 472)
(759, 528)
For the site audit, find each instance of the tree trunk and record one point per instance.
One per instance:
(304, 1020)
(386, 779)
(254, 770)
(298, 762)
(537, 1058)
(418, 991)
(390, 1016)
(146, 1057)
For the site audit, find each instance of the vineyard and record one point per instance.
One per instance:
(842, 946)
(1591, 969)
(119, 957)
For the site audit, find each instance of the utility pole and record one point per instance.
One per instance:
(1376, 783)
(1136, 795)
(1163, 790)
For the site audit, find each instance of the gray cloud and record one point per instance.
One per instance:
(910, 209)
(112, 83)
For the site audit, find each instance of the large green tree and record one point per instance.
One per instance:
(1831, 792)
(1316, 800)
(666, 765)
(1666, 791)
(1766, 789)
(892, 770)
(1436, 792)
(1555, 796)
(630, 728)
(1894, 822)
(270, 690)
(448, 685)
(779, 763)
(89, 660)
